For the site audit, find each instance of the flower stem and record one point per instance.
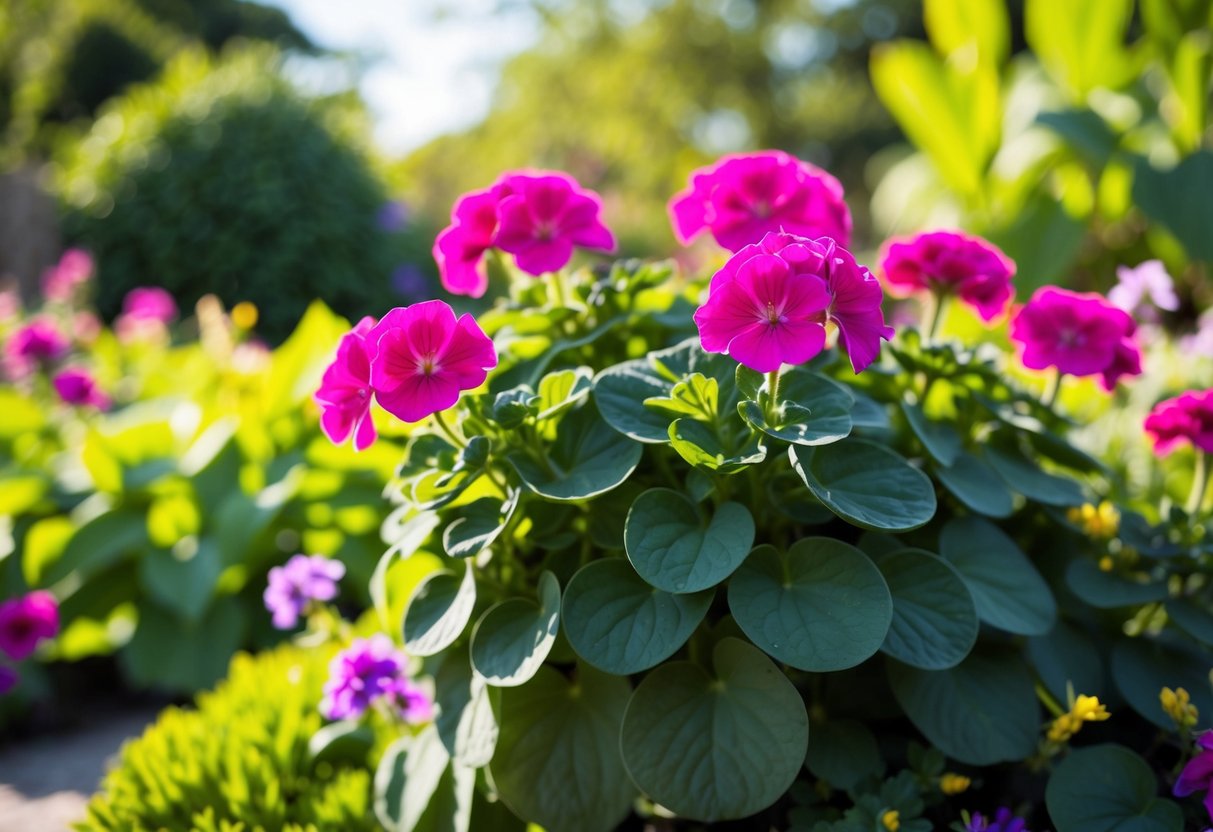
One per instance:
(1200, 483)
(557, 289)
(772, 396)
(1051, 390)
(931, 317)
(445, 428)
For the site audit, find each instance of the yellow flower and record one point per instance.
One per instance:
(1089, 709)
(1064, 727)
(891, 820)
(951, 783)
(244, 315)
(1178, 705)
(1098, 521)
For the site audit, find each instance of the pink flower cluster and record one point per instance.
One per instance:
(146, 313)
(76, 386)
(1079, 334)
(770, 303)
(741, 198)
(38, 343)
(537, 216)
(949, 263)
(414, 362)
(1185, 418)
(74, 269)
(25, 622)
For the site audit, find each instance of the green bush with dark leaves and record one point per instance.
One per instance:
(241, 760)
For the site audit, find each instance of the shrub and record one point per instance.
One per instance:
(239, 760)
(220, 178)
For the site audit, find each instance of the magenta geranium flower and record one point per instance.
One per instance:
(1079, 334)
(948, 263)
(76, 386)
(1197, 775)
(74, 268)
(37, 343)
(1185, 418)
(741, 198)
(27, 621)
(422, 357)
(345, 392)
(294, 586)
(538, 216)
(367, 671)
(770, 303)
(149, 303)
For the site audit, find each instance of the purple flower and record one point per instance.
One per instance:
(74, 268)
(26, 621)
(38, 342)
(393, 216)
(1003, 821)
(409, 281)
(302, 580)
(368, 670)
(1144, 288)
(1197, 775)
(8, 679)
(77, 387)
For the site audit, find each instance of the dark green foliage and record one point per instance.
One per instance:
(219, 178)
(239, 761)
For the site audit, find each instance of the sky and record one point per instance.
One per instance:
(434, 62)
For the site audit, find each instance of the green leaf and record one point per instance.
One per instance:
(1178, 200)
(183, 582)
(1108, 788)
(1065, 657)
(175, 655)
(977, 485)
(1108, 590)
(934, 618)
(439, 611)
(620, 393)
(1026, 477)
(821, 606)
(478, 525)
(702, 447)
(866, 484)
(1010, 594)
(21, 494)
(561, 390)
(1193, 618)
(1142, 668)
(347, 741)
(812, 409)
(417, 787)
(981, 712)
(962, 25)
(1082, 49)
(843, 753)
(44, 544)
(676, 547)
(619, 623)
(588, 458)
(745, 730)
(22, 415)
(557, 762)
(466, 722)
(100, 543)
(941, 440)
(696, 396)
(513, 637)
(514, 406)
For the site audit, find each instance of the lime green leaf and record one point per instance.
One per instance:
(702, 447)
(1082, 49)
(958, 26)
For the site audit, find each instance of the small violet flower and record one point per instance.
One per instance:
(1079, 334)
(742, 197)
(422, 357)
(26, 621)
(74, 268)
(1143, 289)
(1185, 418)
(369, 670)
(8, 679)
(1197, 775)
(345, 391)
(77, 386)
(1003, 821)
(297, 584)
(38, 342)
(538, 216)
(770, 303)
(947, 263)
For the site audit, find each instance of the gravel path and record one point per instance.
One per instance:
(45, 783)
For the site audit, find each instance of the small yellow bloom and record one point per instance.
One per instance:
(1089, 709)
(1064, 727)
(952, 783)
(1178, 705)
(244, 315)
(1106, 564)
(1099, 521)
(891, 820)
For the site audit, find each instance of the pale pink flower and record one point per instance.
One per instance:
(74, 268)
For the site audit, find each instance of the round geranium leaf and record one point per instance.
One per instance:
(1192, 618)
(620, 392)
(677, 546)
(1108, 788)
(466, 723)
(478, 525)
(934, 619)
(940, 439)
(512, 638)
(866, 484)
(1028, 479)
(438, 612)
(981, 712)
(557, 762)
(810, 408)
(1141, 668)
(1010, 594)
(588, 458)
(716, 747)
(977, 485)
(1066, 659)
(843, 753)
(621, 624)
(820, 606)
(1108, 590)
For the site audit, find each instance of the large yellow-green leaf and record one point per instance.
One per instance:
(958, 25)
(1082, 48)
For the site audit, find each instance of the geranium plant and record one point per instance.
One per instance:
(728, 546)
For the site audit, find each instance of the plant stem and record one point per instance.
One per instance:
(557, 289)
(931, 317)
(772, 396)
(445, 428)
(1200, 483)
(1051, 391)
